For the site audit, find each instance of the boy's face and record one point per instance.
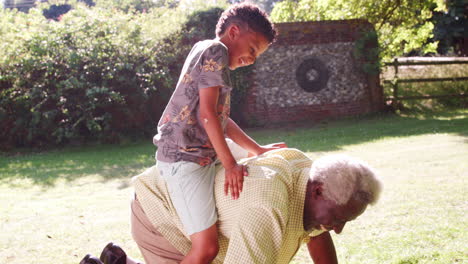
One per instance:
(244, 46)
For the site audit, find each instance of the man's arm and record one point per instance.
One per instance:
(322, 250)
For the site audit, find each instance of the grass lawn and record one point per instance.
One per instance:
(59, 205)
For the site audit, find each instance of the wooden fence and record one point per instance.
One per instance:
(412, 61)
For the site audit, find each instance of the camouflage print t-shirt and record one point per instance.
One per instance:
(181, 135)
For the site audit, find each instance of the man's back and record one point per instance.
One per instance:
(264, 225)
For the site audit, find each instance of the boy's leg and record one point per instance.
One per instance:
(204, 246)
(191, 189)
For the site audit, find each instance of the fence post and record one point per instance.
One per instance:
(395, 85)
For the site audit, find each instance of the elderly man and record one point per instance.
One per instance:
(287, 200)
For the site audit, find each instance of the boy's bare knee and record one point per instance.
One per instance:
(207, 250)
(212, 250)
(205, 245)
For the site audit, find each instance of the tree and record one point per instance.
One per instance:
(402, 25)
(266, 5)
(450, 28)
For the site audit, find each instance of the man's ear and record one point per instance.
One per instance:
(317, 190)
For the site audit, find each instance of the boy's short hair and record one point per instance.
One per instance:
(247, 14)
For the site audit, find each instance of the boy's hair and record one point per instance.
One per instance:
(247, 16)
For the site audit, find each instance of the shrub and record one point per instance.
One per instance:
(55, 11)
(97, 74)
(129, 6)
(94, 75)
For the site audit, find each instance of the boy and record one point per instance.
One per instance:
(192, 130)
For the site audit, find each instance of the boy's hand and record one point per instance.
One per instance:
(234, 180)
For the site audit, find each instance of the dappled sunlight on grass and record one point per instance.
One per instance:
(73, 219)
(76, 200)
(124, 161)
(420, 217)
(107, 162)
(334, 136)
(454, 114)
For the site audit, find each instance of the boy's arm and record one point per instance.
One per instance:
(234, 132)
(234, 175)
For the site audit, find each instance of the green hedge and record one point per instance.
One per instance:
(96, 75)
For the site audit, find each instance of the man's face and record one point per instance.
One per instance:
(330, 216)
(245, 46)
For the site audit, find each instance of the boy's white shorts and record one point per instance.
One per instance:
(191, 188)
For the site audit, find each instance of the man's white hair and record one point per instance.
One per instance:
(344, 177)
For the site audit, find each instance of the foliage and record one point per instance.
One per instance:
(55, 11)
(450, 28)
(402, 25)
(96, 74)
(200, 25)
(129, 6)
(266, 5)
(366, 50)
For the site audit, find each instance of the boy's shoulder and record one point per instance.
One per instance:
(211, 47)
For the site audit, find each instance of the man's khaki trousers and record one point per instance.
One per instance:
(153, 246)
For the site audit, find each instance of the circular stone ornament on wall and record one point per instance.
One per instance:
(312, 75)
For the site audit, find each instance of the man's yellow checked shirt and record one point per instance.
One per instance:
(263, 226)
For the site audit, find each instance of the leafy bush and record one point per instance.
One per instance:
(450, 28)
(55, 11)
(402, 26)
(97, 74)
(93, 75)
(128, 6)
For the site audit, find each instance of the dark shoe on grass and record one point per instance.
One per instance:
(88, 259)
(113, 254)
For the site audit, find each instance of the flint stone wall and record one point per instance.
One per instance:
(311, 73)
